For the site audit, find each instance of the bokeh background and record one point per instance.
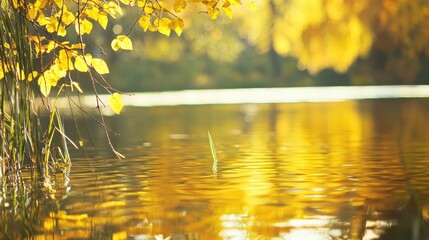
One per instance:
(279, 43)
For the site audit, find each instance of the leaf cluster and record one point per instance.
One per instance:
(53, 20)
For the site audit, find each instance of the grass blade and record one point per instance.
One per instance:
(212, 147)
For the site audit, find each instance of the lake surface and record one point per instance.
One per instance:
(337, 170)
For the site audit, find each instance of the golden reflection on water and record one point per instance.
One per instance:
(291, 171)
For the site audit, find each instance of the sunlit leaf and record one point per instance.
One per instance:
(227, 10)
(80, 64)
(59, 3)
(51, 24)
(164, 5)
(211, 4)
(152, 28)
(144, 22)
(78, 46)
(100, 66)
(115, 45)
(163, 25)
(45, 86)
(179, 5)
(1, 72)
(83, 26)
(31, 75)
(141, 3)
(149, 9)
(113, 9)
(51, 46)
(115, 103)
(213, 12)
(31, 11)
(102, 20)
(177, 25)
(92, 13)
(251, 5)
(61, 31)
(64, 60)
(66, 16)
(122, 42)
(128, 2)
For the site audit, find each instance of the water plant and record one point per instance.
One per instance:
(213, 150)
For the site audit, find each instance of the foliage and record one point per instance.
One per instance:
(52, 21)
(335, 33)
(45, 45)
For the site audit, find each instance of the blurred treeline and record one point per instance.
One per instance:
(280, 43)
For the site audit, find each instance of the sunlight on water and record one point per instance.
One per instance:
(338, 170)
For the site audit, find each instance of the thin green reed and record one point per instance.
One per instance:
(213, 150)
(21, 135)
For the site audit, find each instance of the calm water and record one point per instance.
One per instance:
(343, 170)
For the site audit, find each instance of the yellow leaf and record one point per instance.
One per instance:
(32, 11)
(80, 64)
(66, 16)
(164, 5)
(32, 75)
(100, 65)
(51, 24)
(163, 25)
(251, 5)
(212, 4)
(102, 20)
(153, 28)
(122, 42)
(78, 46)
(61, 31)
(213, 12)
(1, 71)
(227, 10)
(83, 26)
(115, 103)
(149, 9)
(64, 60)
(177, 25)
(144, 22)
(112, 8)
(128, 2)
(45, 87)
(50, 46)
(59, 3)
(179, 5)
(115, 45)
(92, 13)
(141, 3)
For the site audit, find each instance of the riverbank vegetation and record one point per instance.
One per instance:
(47, 50)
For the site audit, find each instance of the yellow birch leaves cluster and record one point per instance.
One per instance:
(52, 20)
